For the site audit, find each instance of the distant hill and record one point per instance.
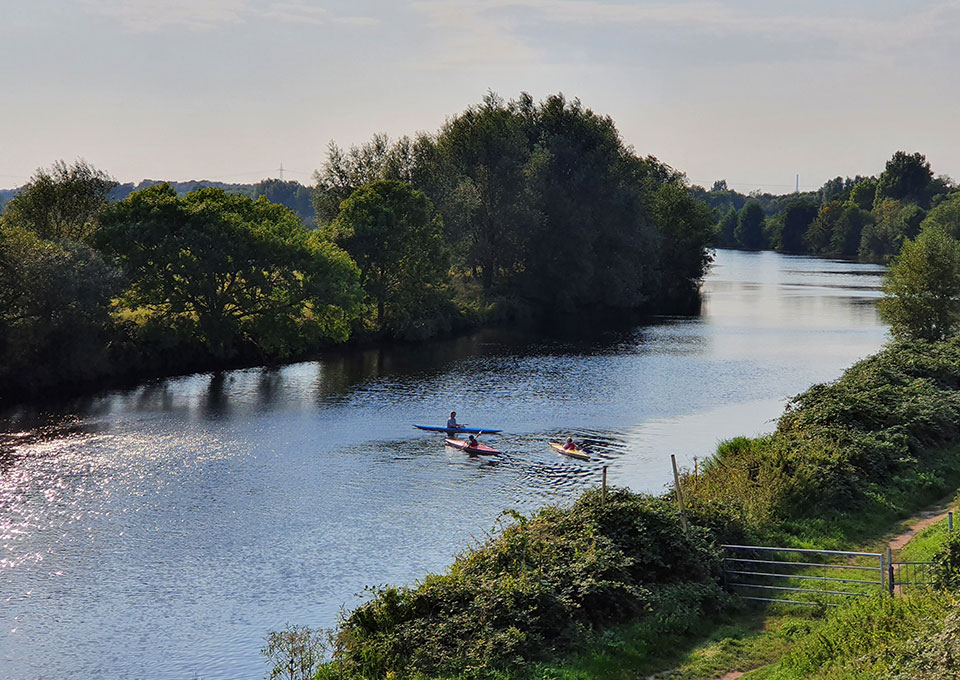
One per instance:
(292, 194)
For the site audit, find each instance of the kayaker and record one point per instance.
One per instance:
(472, 442)
(569, 446)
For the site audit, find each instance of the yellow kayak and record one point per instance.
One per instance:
(579, 454)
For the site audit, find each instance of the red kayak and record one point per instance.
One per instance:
(463, 445)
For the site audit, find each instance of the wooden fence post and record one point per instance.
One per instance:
(676, 481)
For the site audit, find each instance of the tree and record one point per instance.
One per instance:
(394, 234)
(848, 232)
(863, 193)
(726, 229)
(291, 194)
(749, 231)
(945, 215)
(795, 220)
(483, 175)
(922, 288)
(906, 177)
(686, 225)
(820, 234)
(63, 203)
(894, 222)
(229, 271)
(344, 172)
(54, 311)
(296, 653)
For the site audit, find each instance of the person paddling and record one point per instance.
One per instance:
(472, 442)
(570, 446)
(452, 423)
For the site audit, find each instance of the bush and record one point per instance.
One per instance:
(946, 563)
(536, 589)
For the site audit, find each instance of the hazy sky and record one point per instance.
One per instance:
(748, 90)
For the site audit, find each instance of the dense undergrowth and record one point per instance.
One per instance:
(846, 459)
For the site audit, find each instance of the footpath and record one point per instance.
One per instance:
(754, 641)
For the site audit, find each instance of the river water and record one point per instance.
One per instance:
(161, 532)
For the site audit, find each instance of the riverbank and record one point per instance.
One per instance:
(846, 460)
(252, 488)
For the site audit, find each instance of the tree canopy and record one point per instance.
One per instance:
(922, 288)
(228, 270)
(393, 233)
(62, 203)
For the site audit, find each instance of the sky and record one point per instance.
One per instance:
(752, 91)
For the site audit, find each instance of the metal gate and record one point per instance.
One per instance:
(772, 574)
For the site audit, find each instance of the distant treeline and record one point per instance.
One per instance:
(864, 218)
(292, 194)
(512, 211)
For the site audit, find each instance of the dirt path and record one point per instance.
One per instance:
(925, 519)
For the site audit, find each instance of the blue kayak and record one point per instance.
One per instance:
(451, 430)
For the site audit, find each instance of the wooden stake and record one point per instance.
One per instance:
(603, 490)
(676, 482)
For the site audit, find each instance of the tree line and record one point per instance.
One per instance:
(863, 218)
(512, 211)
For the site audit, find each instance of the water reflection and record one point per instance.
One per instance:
(192, 515)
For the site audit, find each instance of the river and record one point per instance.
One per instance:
(161, 532)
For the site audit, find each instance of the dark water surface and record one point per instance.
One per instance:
(161, 532)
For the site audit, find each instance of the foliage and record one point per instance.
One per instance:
(54, 311)
(876, 638)
(545, 207)
(945, 215)
(296, 653)
(749, 231)
(229, 271)
(344, 172)
(946, 571)
(394, 234)
(906, 177)
(62, 203)
(291, 194)
(922, 288)
(795, 220)
(818, 239)
(685, 225)
(894, 222)
(864, 193)
(726, 229)
(535, 589)
(870, 441)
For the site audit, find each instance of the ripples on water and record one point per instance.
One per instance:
(161, 532)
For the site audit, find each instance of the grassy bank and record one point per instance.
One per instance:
(614, 589)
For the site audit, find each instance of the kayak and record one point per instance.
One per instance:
(451, 430)
(478, 449)
(579, 454)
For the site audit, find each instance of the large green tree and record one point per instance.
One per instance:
(922, 288)
(726, 229)
(749, 231)
(794, 222)
(394, 233)
(945, 215)
(54, 311)
(906, 177)
(229, 271)
(64, 202)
